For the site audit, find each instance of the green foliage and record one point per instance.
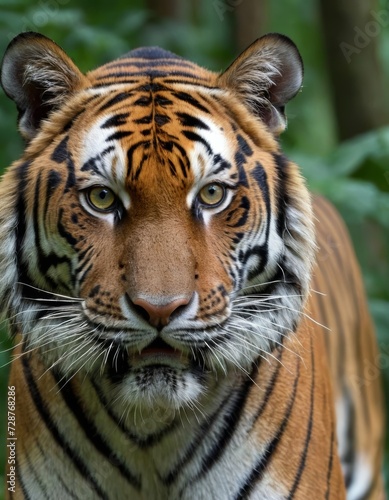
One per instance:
(354, 175)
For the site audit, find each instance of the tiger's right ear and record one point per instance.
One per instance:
(39, 77)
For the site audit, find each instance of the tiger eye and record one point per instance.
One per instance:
(212, 194)
(101, 198)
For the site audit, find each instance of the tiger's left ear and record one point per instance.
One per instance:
(266, 76)
(39, 77)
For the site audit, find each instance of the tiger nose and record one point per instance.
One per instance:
(159, 315)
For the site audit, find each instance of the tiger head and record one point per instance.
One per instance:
(153, 235)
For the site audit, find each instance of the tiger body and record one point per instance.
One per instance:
(170, 344)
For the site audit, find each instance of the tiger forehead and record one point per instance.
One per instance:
(152, 124)
(152, 63)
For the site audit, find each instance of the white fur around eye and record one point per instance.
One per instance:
(109, 161)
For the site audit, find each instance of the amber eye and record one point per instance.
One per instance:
(101, 198)
(212, 194)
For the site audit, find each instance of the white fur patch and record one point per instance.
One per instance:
(111, 166)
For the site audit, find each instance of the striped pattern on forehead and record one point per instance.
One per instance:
(151, 62)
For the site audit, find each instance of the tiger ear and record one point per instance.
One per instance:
(38, 76)
(266, 76)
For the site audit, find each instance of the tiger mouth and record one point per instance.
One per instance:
(159, 346)
(159, 352)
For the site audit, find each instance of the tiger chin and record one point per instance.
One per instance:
(164, 269)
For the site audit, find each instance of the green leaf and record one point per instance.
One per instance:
(350, 155)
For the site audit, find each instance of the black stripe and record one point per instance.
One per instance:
(301, 467)
(188, 98)
(245, 207)
(72, 121)
(231, 421)
(71, 240)
(162, 101)
(172, 168)
(116, 120)
(44, 262)
(203, 432)
(260, 467)
(184, 168)
(119, 135)
(115, 100)
(282, 276)
(145, 157)
(260, 176)
(161, 120)
(152, 73)
(202, 83)
(71, 180)
(191, 121)
(20, 229)
(131, 151)
(19, 481)
(92, 433)
(192, 136)
(53, 181)
(144, 120)
(349, 456)
(168, 146)
(53, 429)
(58, 476)
(61, 152)
(240, 160)
(93, 163)
(262, 252)
(143, 101)
(37, 478)
(171, 62)
(272, 384)
(282, 198)
(330, 464)
(223, 164)
(244, 147)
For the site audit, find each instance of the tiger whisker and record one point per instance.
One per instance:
(55, 294)
(266, 338)
(306, 315)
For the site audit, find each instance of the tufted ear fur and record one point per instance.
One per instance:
(266, 76)
(38, 75)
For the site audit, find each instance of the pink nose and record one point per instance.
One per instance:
(159, 316)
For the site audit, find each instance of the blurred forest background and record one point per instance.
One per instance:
(338, 125)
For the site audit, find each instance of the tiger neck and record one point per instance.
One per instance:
(91, 398)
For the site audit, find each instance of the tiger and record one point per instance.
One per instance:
(189, 321)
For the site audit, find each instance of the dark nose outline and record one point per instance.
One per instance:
(159, 315)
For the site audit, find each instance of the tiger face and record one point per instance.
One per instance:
(165, 242)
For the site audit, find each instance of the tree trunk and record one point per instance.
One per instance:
(171, 9)
(250, 21)
(351, 30)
